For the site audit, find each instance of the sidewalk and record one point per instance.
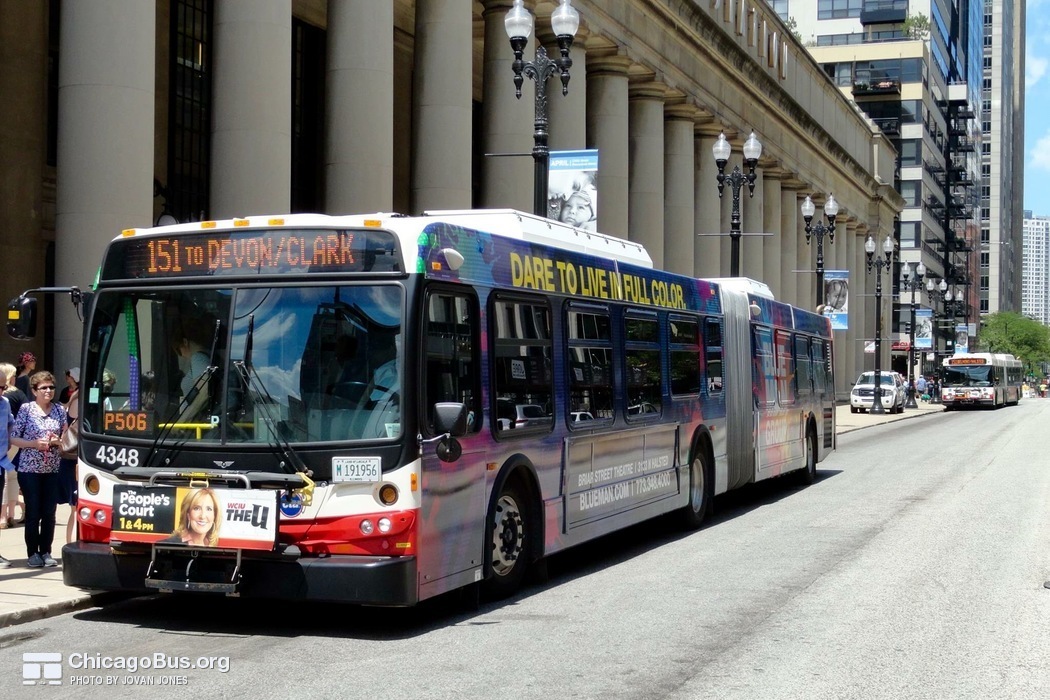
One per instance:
(32, 594)
(846, 421)
(27, 594)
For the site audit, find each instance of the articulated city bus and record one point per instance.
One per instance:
(379, 409)
(981, 379)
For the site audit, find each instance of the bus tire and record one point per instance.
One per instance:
(700, 490)
(809, 473)
(508, 537)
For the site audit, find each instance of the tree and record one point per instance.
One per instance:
(1022, 337)
(917, 27)
(792, 26)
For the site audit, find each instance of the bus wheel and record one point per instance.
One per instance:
(508, 545)
(692, 516)
(809, 474)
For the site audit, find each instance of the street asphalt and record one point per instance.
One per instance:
(33, 594)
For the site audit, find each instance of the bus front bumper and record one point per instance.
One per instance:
(348, 579)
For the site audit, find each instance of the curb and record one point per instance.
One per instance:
(59, 607)
(904, 416)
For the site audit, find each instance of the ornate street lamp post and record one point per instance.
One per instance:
(878, 264)
(818, 230)
(942, 287)
(752, 152)
(565, 20)
(912, 283)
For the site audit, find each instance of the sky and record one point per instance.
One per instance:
(1037, 108)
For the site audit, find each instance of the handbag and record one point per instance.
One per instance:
(70, 440)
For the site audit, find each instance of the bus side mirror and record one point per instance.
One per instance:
(450, 417)
(21, 318)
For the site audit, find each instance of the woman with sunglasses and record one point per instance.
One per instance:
(37, 430)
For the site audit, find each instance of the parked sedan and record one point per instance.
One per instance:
(893, 392)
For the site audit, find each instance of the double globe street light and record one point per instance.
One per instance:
(752, 152)
(878, 264)
(911, 283)
(565, 21)
(818, 231)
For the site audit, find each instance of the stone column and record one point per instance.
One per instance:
(359, 131)
(847, 261)
(707, 212)
(23, 152)
(442, 112)
(753, 240)
(772, 246)
(607, 130)
(507, 122)
(679, 169)
(866, 307)
(789, 241)
(646, 167)
(568, 112)
(105, 143)
(251, 150)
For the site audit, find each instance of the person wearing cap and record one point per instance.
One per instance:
(26, 366)
(72, 382)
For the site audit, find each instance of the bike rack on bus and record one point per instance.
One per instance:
(169, 585)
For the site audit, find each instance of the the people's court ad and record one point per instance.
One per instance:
(202, 517)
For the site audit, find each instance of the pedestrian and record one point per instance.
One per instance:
(11, 501)
(67, 467)
(26, 366)
(920, 386)
(37, 430)
(1042, 389)
(7, 422)
(70, 387)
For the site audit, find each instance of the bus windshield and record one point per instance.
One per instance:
(971, 375)
(245, 365)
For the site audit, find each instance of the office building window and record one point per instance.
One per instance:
(838, 9)
(308, 74)
(189, 110)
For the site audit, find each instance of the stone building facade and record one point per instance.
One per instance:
(119, 111)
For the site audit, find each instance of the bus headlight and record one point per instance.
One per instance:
(367, 527)
(385, 525)
(85, 513)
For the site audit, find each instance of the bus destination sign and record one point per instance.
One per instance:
(967, 361)
(251, 253)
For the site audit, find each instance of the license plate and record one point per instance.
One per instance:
(356, 469)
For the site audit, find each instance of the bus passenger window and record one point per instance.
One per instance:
(713, 356)
(590, 367)
(685, 356)
(522, 374)
(643, 367)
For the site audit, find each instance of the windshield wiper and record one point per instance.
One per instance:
(263, 402)
(187, 401)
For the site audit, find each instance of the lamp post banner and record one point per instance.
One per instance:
(962, 338)
(572, 188)
(923, 329)
(836, 298)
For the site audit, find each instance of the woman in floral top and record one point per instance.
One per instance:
(37, 430)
